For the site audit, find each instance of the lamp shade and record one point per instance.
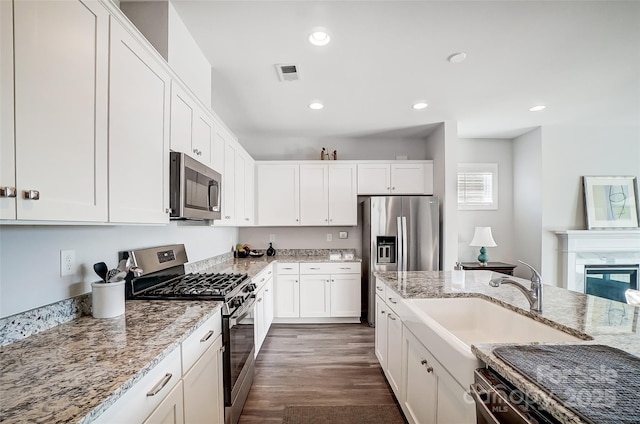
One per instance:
(483, 238)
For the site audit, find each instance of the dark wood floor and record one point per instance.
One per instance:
(327, 364)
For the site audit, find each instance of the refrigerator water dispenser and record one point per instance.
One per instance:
(386, 247)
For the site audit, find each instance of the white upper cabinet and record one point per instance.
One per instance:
(328, 194)
(7, 143)
(228, 180)
(245, 192)
(343, 196)
(138, 132)
(278, 194)
(60, 59)
(192, 130)
(405, 177)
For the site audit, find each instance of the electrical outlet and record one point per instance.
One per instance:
(329, 237)
(272, 238)
(67, 262)
(343, 234)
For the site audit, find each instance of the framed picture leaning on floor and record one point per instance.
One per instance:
(611, 202)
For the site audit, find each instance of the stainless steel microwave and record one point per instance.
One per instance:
(195, 189)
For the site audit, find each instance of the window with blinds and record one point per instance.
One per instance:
(477, 186)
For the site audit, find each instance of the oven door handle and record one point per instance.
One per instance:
(239, 315)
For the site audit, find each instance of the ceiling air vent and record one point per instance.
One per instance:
(288, 72)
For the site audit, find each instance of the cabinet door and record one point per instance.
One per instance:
(61, 87)
(181, 120)
(258, 321)
(278, 194)
(420, 393)
(202, 137)
(287, 296)
(229, 183)
(240, 179)
(170, 410)
(268, 305)
(203, 392)
(407, 178)
(394, 352)
(343, 195)
(314, 194)
(345, 295)
(381, 332)
(138, 133)
(315, 296)
(374, 178)
(7, 147)
(249, 191)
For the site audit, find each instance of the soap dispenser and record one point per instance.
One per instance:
(457, 275)
(271, 251)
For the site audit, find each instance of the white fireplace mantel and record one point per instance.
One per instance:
(578, 248)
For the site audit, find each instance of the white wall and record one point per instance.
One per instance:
(442, 146)
(302, 238)
(30, 256)
(186, 58)
(568, 153)
(161, 24)
(527, 202)
(501, 220)
(300, 148)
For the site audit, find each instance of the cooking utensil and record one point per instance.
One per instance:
(117, 276)
(101, 269)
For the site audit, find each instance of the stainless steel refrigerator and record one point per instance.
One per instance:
(400, 233)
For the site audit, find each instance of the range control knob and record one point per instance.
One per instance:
(236, 301)
(249, 288)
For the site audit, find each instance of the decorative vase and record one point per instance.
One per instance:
(271, 251)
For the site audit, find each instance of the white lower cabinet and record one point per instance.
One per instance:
(263, 312)
(185, 387)
(320, 291)
(170, 410)
(426, 391)
(203, 391)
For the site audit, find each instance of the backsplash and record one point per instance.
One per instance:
(25, 324)
(19, 326)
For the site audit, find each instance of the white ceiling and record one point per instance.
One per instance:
(580, 59)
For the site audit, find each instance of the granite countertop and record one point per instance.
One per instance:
(597, 320)
(75, 371)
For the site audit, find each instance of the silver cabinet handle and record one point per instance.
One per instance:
(382, 312)
(266, 290)
(296, 219)
(32, 194)
(378, 288)
(392, 301)
(391, 317)
(326, 220)
(260, 300)
(222, 349)
(167, 210)
(206, 336)
(345, 267)
(287, 268)
(313, 268)
(424, 362)
(262, 279)
(160, 385)
(7, 192)
(393, 188)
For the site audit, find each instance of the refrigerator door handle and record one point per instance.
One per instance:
(399, 244)
(404, 243)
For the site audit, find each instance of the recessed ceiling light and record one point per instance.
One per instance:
(536, 108)
(420, 105)
(319, 38)
(457, 57)
(316, 106)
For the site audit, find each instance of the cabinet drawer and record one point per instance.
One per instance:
(137, 403)
(381, 290)
(345, 267)
(200, 340)
(262, 277)
(392, 299)
(315, 268)
(288, 268)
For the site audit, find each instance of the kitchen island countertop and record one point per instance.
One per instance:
(597, 320)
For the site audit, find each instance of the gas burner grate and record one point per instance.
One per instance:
(190, 285)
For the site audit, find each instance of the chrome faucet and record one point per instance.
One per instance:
(534, 296)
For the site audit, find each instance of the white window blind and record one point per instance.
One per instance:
(477, 186)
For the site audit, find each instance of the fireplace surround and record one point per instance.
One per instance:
(578, 249)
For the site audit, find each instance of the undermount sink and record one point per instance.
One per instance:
(452, 325)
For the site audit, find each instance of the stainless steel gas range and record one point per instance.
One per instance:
(163, 277)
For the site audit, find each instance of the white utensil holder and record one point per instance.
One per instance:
(107, 299)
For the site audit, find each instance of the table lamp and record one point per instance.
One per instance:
(482, 238)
